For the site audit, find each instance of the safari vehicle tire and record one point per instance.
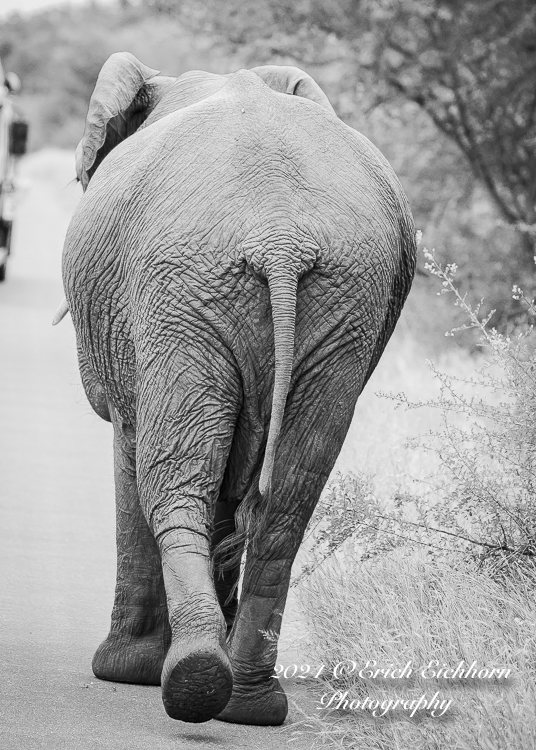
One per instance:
(5, 246)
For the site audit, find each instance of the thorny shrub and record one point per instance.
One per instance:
(482, 504)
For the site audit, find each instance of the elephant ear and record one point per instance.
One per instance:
(118, 106)
(286, 79)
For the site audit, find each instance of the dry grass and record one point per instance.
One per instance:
(407, 605)
(404, 607)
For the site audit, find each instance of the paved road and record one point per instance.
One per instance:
(57, 558)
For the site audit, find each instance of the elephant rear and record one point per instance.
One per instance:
(234, 271)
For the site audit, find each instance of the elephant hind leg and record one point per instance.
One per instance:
(186, 413)
(136, 646)
(306, 453)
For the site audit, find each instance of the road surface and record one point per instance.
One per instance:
(57, 554)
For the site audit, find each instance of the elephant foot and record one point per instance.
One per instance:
(262, 705)
(197, 681)
(134, 650)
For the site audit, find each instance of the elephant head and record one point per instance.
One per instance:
(127, 91)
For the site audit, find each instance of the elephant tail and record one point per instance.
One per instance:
(282, 284)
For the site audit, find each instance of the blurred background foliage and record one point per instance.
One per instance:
(445, 88)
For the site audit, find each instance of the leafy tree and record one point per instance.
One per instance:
(472, 67)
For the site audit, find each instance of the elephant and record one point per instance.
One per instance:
(235, 267)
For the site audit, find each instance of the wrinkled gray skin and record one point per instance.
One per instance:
(236, 242)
